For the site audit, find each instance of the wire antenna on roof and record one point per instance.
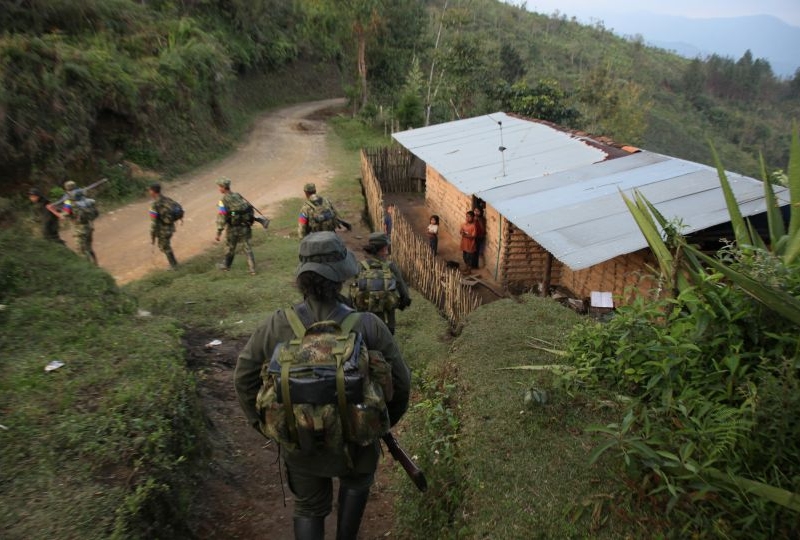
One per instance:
(502, 148)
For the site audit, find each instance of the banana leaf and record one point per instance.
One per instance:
(778, 301)
(740, 231)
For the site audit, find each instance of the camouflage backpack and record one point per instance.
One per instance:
(170, 211)
(240, 212)
(83, 208)
(324, 389)
(375, 287)
(321, 216)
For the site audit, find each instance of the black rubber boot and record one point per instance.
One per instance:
(227, 264)
(171, 258)
(351, 509)
(309, 528)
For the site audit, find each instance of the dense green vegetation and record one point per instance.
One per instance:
(713, 373)
(97, 448)
(88, 84)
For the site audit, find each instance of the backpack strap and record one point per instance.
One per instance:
(294, 320)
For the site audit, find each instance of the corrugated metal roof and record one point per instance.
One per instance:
(563, 190)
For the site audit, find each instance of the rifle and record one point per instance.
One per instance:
(66, 196)
(411, 468)
(344, 224)
(264, 220)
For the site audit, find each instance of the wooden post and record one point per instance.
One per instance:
(548, 272)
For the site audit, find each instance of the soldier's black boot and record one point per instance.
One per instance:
(351, 509)
(171, 258)
(309, 528)
(227, 264)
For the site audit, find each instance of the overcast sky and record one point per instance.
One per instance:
(586, 10)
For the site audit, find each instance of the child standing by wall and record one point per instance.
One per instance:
(433, 234)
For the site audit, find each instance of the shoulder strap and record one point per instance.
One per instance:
(298, 327)
(305, 318)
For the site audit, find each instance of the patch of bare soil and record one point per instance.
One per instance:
(242, 492)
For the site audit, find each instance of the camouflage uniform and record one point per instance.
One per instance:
(388, 316)
(314, 206)
(83, 230)
(162, 228)
(234, 235)
(47, 219)
(310, 476)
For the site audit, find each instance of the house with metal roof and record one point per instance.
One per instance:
(553, 204)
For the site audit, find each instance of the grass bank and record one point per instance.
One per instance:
(97, 447)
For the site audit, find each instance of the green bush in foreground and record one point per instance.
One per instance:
(95, 448)
(714, 373)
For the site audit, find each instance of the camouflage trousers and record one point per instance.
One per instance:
(164, 236)
(84, 233)
(235, 236)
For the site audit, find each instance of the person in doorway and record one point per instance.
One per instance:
(433, 234)
(162, 224)
(469, 233)
(235, 216)
(325, 264)
(47, 219)
(480, 238)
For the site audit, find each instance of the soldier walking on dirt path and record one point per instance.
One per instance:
(162, 225)
(325, 264)
(317, 214)
(235, 216)
(82, 212)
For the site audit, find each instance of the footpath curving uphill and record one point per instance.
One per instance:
(284, 150)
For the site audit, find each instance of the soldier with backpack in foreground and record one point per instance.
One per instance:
(164, 212)
(325, 391)
(318, 214)
(379, 287)
(236, 215)
(82, 211)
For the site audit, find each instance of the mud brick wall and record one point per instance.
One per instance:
(615, 276)
(524, 261)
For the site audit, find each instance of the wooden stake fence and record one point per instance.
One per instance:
(430, 276)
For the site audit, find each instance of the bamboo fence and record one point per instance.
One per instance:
(392, 165)
(442, 286)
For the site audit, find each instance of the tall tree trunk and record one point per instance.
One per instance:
(362, 65)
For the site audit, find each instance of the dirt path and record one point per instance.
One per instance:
(240, 493)
(285, 149)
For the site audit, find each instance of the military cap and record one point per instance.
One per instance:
(325, 254)
(69, 185)
(224, 182)
(378, 240)
(310, 188)
(35, 191)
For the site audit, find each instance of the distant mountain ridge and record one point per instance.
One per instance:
(764, 35)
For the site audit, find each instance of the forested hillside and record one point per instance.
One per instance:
(88, 84)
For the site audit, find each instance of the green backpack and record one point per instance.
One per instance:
(240, 212)
(84, 209)
(324, 389)
(375, 287)
(321, 216)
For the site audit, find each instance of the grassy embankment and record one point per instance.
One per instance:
(99, 445)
